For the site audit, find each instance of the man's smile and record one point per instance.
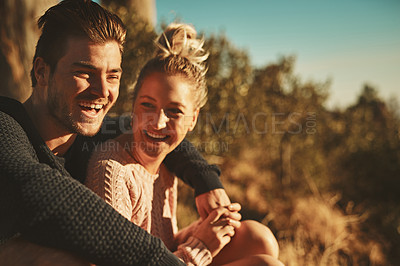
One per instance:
(91, 109)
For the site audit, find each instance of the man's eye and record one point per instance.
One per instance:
(114, 77)
(82, 74)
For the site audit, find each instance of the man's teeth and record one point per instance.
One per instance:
(92, 105)
(156, 136)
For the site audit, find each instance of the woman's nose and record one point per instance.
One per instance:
(161, 120)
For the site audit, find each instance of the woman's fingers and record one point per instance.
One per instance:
(221, 222)
(228, 230)
(224, 222)
(235, 216)
(235, 223)
(216, 214)
(234, 207)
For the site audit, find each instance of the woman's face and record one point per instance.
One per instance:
(164, 111)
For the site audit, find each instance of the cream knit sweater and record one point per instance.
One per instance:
(145, 199)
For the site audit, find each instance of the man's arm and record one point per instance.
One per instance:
(188, 164)
(55, 210)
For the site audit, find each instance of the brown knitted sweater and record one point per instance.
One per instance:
(145, 199)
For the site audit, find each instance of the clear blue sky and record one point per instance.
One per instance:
(352, 42)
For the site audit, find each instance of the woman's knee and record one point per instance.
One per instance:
(261, 238)
(256, 260)
(265, 260)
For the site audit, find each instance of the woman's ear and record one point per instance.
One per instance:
(41, 71)
(194, 119)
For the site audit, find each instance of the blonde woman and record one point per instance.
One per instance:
(129, 173)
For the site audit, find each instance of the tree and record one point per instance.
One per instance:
(19, 33)
(139, 48)
(144, 9)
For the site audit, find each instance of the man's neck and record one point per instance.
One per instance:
(58, 139)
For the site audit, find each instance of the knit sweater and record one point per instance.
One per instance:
(42, 201)
(148, 200)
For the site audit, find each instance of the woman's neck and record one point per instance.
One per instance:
(150, 163)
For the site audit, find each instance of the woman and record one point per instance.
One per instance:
(129, 174)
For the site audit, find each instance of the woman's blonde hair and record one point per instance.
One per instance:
(179, 52)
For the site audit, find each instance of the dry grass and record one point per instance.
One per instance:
(311, 229)
(318, 233)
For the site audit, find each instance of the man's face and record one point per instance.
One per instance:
(84, 85)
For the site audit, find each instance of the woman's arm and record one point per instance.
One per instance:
(204, 239)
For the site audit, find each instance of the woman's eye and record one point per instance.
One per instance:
(174, 112)
(147, 105)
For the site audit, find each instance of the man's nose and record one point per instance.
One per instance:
(100, 87)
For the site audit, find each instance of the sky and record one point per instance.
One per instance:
(349, 42)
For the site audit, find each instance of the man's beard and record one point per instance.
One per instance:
(58, 108)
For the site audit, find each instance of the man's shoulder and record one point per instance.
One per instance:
(10, 111)
(9, 105)
(14, 116)
(11, 127)
(16, 135)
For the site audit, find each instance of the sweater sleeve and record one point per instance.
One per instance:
(188, 164)
(106, 178)
(49, 207)
(194, 252)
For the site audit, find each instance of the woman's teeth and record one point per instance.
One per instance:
(155, 136)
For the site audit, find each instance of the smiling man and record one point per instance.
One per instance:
(75, 97)
(75, 77)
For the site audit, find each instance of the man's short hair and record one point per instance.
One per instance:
(75, 18)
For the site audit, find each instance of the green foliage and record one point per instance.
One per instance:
(138, 49)
(368, 168)
(295, 147)
(281, 151)
(228, 76)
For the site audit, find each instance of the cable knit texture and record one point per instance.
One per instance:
(42, 202)
(145, 199)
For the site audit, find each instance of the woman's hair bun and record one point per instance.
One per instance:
(179, 52)
(181, 40)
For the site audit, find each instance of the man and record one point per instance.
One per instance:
(45, 144)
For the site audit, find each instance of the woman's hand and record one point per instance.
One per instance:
(218, 228)
(211, 200)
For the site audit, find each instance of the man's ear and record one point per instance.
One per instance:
(194, 119)
(41, 71)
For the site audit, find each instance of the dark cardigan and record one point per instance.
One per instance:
(40, 200)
